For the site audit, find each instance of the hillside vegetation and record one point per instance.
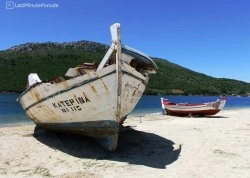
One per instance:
(53, 59)
(174, 79)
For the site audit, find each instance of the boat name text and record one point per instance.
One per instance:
(72, 104)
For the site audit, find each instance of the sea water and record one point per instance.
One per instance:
(11, 112)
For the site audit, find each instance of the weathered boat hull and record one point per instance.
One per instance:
(106, 131)
(91, 100)
(85, 104)
(187, 109)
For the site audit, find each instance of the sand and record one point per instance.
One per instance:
(150, 146)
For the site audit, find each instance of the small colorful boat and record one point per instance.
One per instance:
(189, 109)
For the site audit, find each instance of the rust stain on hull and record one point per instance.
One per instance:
(105, 86)
(65, 84)
(93, 89)
(36, 96)
(86, 97)
(33, 117)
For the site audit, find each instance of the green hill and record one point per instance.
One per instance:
(174, 79)
(53, 59)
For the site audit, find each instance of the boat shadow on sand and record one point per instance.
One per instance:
(134, 147)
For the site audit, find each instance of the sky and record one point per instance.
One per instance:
(208, 36)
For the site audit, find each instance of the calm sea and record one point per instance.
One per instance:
(11, 113)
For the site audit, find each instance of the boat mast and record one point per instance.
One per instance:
(116, 39)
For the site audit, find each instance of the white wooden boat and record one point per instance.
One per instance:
(91, 100)
(189, 109)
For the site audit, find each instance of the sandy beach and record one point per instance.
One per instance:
(151, 146)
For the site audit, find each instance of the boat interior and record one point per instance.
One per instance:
(139, 62)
